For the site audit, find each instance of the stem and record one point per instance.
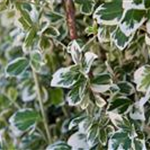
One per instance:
(39, 97)
(70, 14)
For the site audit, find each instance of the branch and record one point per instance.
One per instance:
(70, 14)
(39, 97)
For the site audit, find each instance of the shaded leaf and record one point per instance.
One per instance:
(120, 103)
(126, 88)
(86, 7)
(54, 17)
(51, 32)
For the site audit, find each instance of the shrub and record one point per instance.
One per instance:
(74, 74)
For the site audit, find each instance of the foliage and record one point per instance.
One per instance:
(90, 92)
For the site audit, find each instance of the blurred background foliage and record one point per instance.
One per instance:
(34, 36)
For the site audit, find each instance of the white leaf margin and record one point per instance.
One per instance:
(129, 4)
(56, 78)
(14, 128)
(138, 77)
(89, 59)
(75, 50)
(102, 21)
(13, 62)
(124, 27)
(116, 40)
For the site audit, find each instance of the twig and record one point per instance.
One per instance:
(70, 14)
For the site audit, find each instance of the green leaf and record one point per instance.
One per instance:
(132, 20)
(24, 119)
(63, 32)
(120, 140)
(124, 140)
(91, 30)
(141, 78)
(59, 146)
(147, 3)
(44, 43)
(51, 32)
(126, 88)
(120, 39)
(17, 66)
(12, 93)
(78, 92)
(56, 96)
(103, 34)
(121, 104)
(102, 78)
(26, 25)
(32, 141)
(92, 135)
(54, 17)
(101, 82)
(109, 13)
(25, 19)
(103, 136)
(86, 7)
(4, 102)
(65, 77)
(30, 37)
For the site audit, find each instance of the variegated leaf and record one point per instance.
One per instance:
(132, 20)
(75, 50)
(109, 13)
(101, 83)
(78, 141)
(65, 77)
(141, 78)
(88, 60)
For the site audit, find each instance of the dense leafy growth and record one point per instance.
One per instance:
(74, 74)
